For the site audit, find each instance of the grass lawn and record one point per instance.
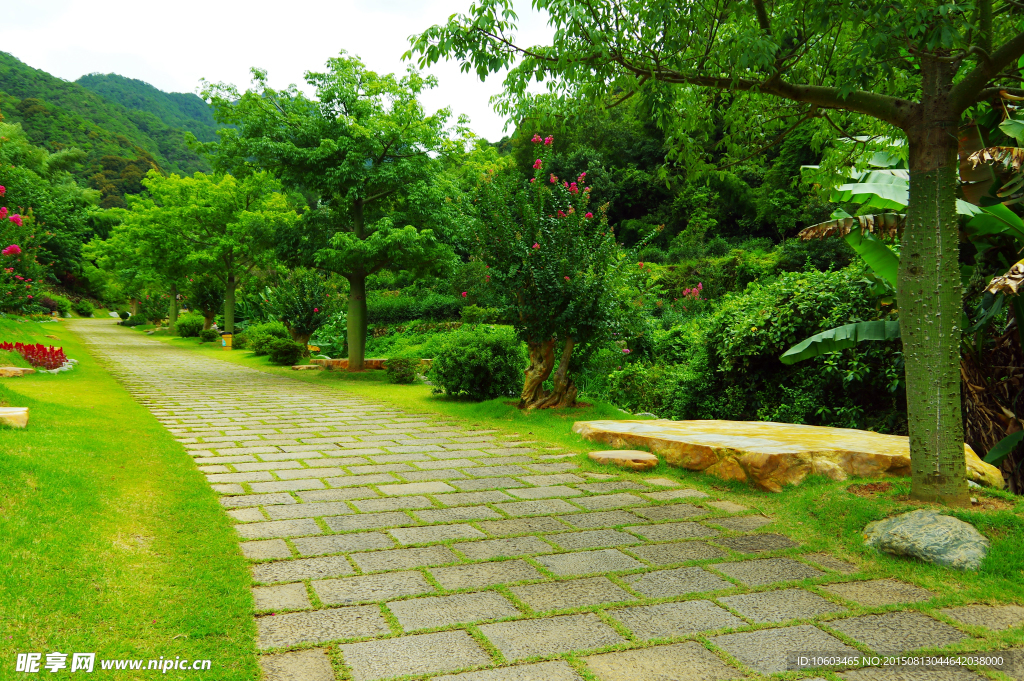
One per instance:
(111, 541)
(825, 515)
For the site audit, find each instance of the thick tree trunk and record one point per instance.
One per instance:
(207, 321)
(564, 389)
(356, 321)
(930, 298)
(542, 360)
(172, 312)
(229, 304)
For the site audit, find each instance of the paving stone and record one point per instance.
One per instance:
(368, 521)
(412, 655)
(231, 488)
(392, 504)
(572, 593)
(601, 487)
(831, 563)
(599, 519)
(402, 559)
(416, 488)
(768, 650)
(286, 485)
(504, 528)
(266, 466)
(908, 673)
(288, 456)
(247, 515)
(303, 568)
(589, 562)
(672, 531)
(662, 482)
(1013, 662)
(555, 670)
(545, 492)
(502, 460)
(365, 588)
(676, 582)
(779, 606)
(471, 498)
(671, 512)
(336, 494)
(486, 483)
(357, 480)
(484, 574)
(435, 533)
(538, 507)
(332, 462)
(302, 665)
(442, 611)
(899, 632)
(459, 454)
(608, 501)
(767, 571)
(309, 510)
(995, 617)
(592, 539)
(550, 635)
(557, 479)
(244, 450)
(300, 473)
(278, 528)
(727, 506)
(677, 552)
(222, 459)
(442, 474)
(688, 661)
(319, 626)
(402, 449)
(497, 548)
(671, 494)
(875, 592)
(549, 467)
(343, 543)
(215, 469)
(747, 523)
(486, 470)
(665, 620)
(281, 597)
(757, 543)
(458, 513)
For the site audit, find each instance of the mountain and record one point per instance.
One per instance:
(121, 142)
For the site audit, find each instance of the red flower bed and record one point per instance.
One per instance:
(38, 355)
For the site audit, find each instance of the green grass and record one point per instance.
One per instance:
(111, 541)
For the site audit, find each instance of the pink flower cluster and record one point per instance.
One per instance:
(694, 292)
(38, 355)
(547, 140)
(3, 190)
(13, 249)
(537, 164)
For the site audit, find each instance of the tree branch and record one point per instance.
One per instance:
(762, 16)
(968, 91)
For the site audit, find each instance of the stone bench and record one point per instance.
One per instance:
(16, 417)
(14, 372)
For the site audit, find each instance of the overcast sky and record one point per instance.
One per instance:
(171, 45)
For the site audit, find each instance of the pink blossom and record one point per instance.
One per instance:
(16, 219)
(30, 297)
(536, 245)
(536, 138)
(561, 214)
(463, 294)
(554, 179)
(641, 264)
(626, 351)
(3, 190)
(31, 280)
(532, 179)
(589, 215)
(316, 309)
(13, 249)
(573, 189)
(537, 164)
(3, 212)
(548, 140)
(582, 175)
(567, 277)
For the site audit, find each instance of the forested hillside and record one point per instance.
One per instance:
(121, 144)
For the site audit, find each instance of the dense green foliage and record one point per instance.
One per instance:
(480, 364)
(258, 337)
(189, 325)
(402, 369)
(285, 351)
(303, 302)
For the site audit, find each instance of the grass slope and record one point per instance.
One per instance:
(111, 541)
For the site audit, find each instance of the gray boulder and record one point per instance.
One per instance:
(930, 536)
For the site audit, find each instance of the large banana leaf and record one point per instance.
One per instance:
(880, 257)
(841, 338)
(997, 220)
(1003, 448)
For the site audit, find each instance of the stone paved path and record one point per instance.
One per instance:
(419, 549)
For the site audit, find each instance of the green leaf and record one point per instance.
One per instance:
(880, 257)
(1003, 448)
(841, 338)
(895, 196)
(997, 219)
(1013, 128)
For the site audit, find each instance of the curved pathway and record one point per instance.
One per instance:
(418, 549)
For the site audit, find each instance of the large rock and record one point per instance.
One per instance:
(16, 417)
(930, 536)
(626, 458)
(368, 363)
(771, 455)
(14, 372)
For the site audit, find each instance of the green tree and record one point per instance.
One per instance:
(908, 66)
(303, 302)
(355, 149)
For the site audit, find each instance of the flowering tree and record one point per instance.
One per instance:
(554, 264)
(21, 270)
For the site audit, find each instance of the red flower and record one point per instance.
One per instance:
(537, 164)
(13, 249)
(589, 215)
(567, 278)
(536, 245)
(553, 178)
(3, 212)
(561, 214)
(3, 190)
(463, 294)
(316, 309)
(548, 140)
(641, 264)
(536, 138)
(16, 219)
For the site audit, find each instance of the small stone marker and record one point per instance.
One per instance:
(930, 536)
(15, 372)
(308, 367)
(627, 458)
(15, 417)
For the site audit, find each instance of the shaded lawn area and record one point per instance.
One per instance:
(111, 541)
(821, 513)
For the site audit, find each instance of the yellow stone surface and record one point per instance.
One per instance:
(772, 455)
(626, 458)
(14, 372)
(16, 417)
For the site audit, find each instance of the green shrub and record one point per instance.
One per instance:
(83, 308)
(303, 302)
(474, 314)
(481, 364)
(189, 325)
(209, 335)
(439, 307)
(387, 308)
(63, 306)
(332, 337)
(258, 337)
(47, 303)
(285, 351)
(124, 314)
(137, 320)
(402, 369)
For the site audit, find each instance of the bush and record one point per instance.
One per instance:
(402, 369)
(258, 337)
(189, 325)
(474, 314)
(438, 307)
(303, 302)
(388, 308)
(46, 302)
(208, 335)
(481, 364)
(63, 306)
(124, 314)
(332, 337)
(83, 308)
(285, 351)
(132, 322)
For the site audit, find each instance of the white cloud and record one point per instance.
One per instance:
(171, 45)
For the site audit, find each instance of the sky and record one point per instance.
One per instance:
(172, 45)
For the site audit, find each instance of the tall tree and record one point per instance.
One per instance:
(356, 148)
(913, 66)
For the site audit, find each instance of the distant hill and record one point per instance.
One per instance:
(121, 142)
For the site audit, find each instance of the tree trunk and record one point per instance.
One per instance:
(542, 360)
(356, 321)
(930, 297)
(229, 304)
(564, 392)
(207, 321)
(172, 313)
